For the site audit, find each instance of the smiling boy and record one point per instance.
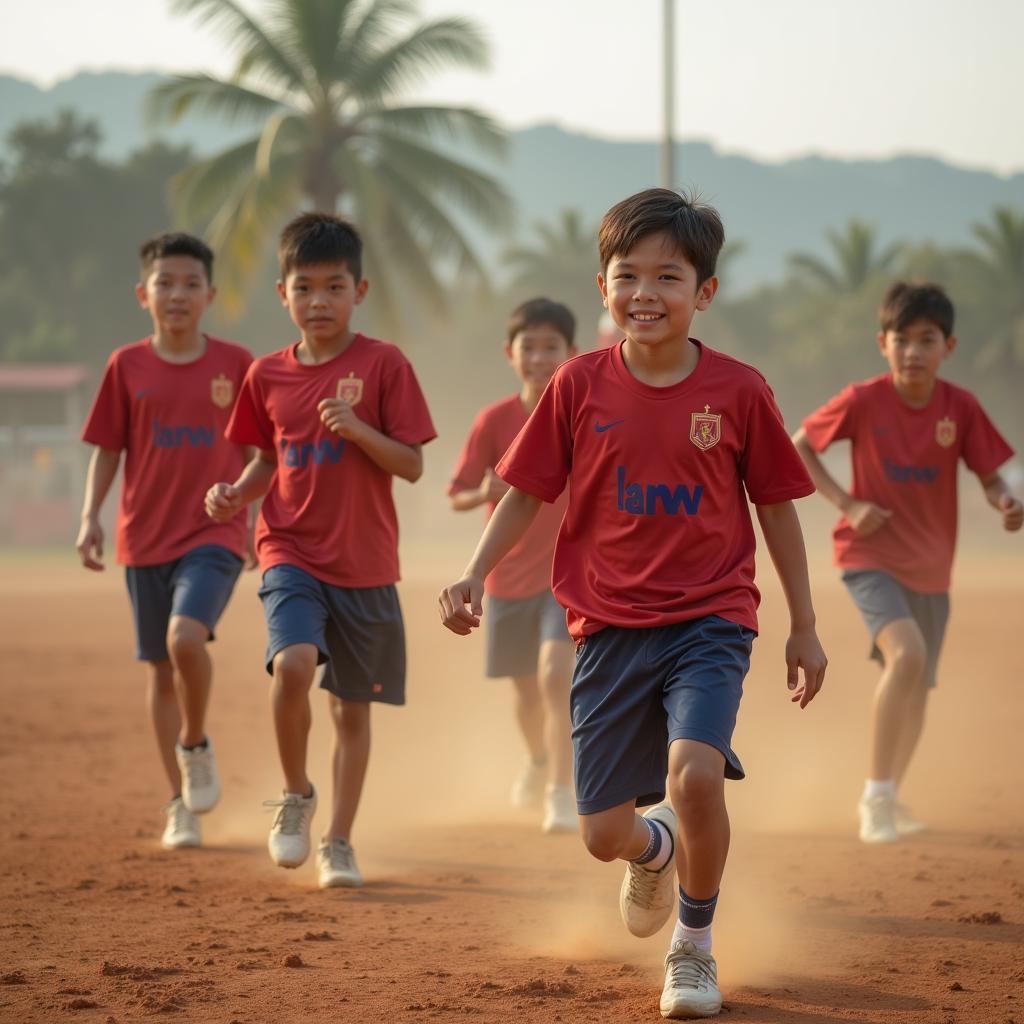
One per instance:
(165, 402)
(896, 536)
(660, 440)
(335, 417)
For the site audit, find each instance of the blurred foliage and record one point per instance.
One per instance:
(323, 82)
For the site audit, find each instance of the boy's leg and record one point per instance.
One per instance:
(293, 670)
(910, 734)
(618, 833)
(193, 674)
(166, 718)
(530, 716)
(351, 757)
(555, 677)
(903, 654)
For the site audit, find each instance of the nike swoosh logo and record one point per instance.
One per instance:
(602, 427)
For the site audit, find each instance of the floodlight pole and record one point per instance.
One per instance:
(668, 93)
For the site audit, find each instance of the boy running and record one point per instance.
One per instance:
(335, 416)
(165, 402)
(525, 626)
(894, 541)
(661, 440)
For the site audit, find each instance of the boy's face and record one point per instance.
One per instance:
(176, 292)
(321, 298)
(536, 352)
(916, 352)
(652, 292)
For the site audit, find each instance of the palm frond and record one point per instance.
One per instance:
(816, 269)
(433, 122)
(173, 99)
(199, 190)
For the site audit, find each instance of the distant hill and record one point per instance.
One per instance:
(774, 208)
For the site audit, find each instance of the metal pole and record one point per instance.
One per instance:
(668, 90)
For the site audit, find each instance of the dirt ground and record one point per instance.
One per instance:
(469, 912)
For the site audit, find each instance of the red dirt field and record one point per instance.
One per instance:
(469, 913)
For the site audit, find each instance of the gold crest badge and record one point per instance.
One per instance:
(222, 391)
(945, 432)
(705, 428)
(350, 389)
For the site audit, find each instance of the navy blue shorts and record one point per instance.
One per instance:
(634, 691)
(358, 632)
(515, 629)
(883, 599)
(199, 585)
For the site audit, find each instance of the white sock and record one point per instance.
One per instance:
(880, 787)
(700, 937)
(666, 851)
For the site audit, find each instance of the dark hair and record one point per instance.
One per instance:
(537, 312)
(313, 238)
(695, 227)
(904, 303)
(175, 243)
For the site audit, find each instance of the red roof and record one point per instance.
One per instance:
(41, 376)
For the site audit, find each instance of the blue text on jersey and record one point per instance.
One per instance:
(298, 455)
(182, 437)
(911, 474)
(640, 500)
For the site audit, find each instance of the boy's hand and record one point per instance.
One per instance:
(866, 517)
(453, 600)
(803, 651)
(223, 502)
(340, 417)
(1012, 511)
(492, 487)
(90, 544)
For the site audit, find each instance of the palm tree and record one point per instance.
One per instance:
(998, 267)
(323, 80)
(560, 261)
(856, 258)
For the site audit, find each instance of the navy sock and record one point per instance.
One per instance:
(654, 845)
(696, 913)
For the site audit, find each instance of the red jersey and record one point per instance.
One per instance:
(169, 419)
(329, 508)
(905, 460)
(658, 529)
(526, 569)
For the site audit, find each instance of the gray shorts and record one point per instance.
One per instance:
(882, 599)
(515, 629)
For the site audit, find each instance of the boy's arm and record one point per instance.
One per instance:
(781, 529)
(510, 521)
(394, 457)
(102, 470)
(864, 516)
(492, 489)
(224, 501)
(1003, 501)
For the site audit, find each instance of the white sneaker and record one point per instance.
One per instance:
(336, 865)
(559, 810)
(289, 835)
(182, 828)
(200, 783)
(647, 897)
(528, 789)
(877, 820)
(906, 824)
(691, 983)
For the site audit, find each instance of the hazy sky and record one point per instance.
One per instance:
(772, 78)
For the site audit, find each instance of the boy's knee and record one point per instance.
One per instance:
(294, 668)
(696, 786)
(908, 661)
(185, 642)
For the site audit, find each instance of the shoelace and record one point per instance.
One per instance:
(688, 967)
(289, 816)
(180, 813)
(198, 768)
(341, 855)
(643, 886)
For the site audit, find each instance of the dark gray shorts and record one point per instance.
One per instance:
(515, 629)
(634, 691)
(358, 632)
(198, 585)
(883, 599)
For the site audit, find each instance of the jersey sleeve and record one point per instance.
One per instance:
(984, 448)
(250, 424)
(109, 419)
(539, 459)
(475, 458)
(834, 421)
(771, 467)
(404, 413)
